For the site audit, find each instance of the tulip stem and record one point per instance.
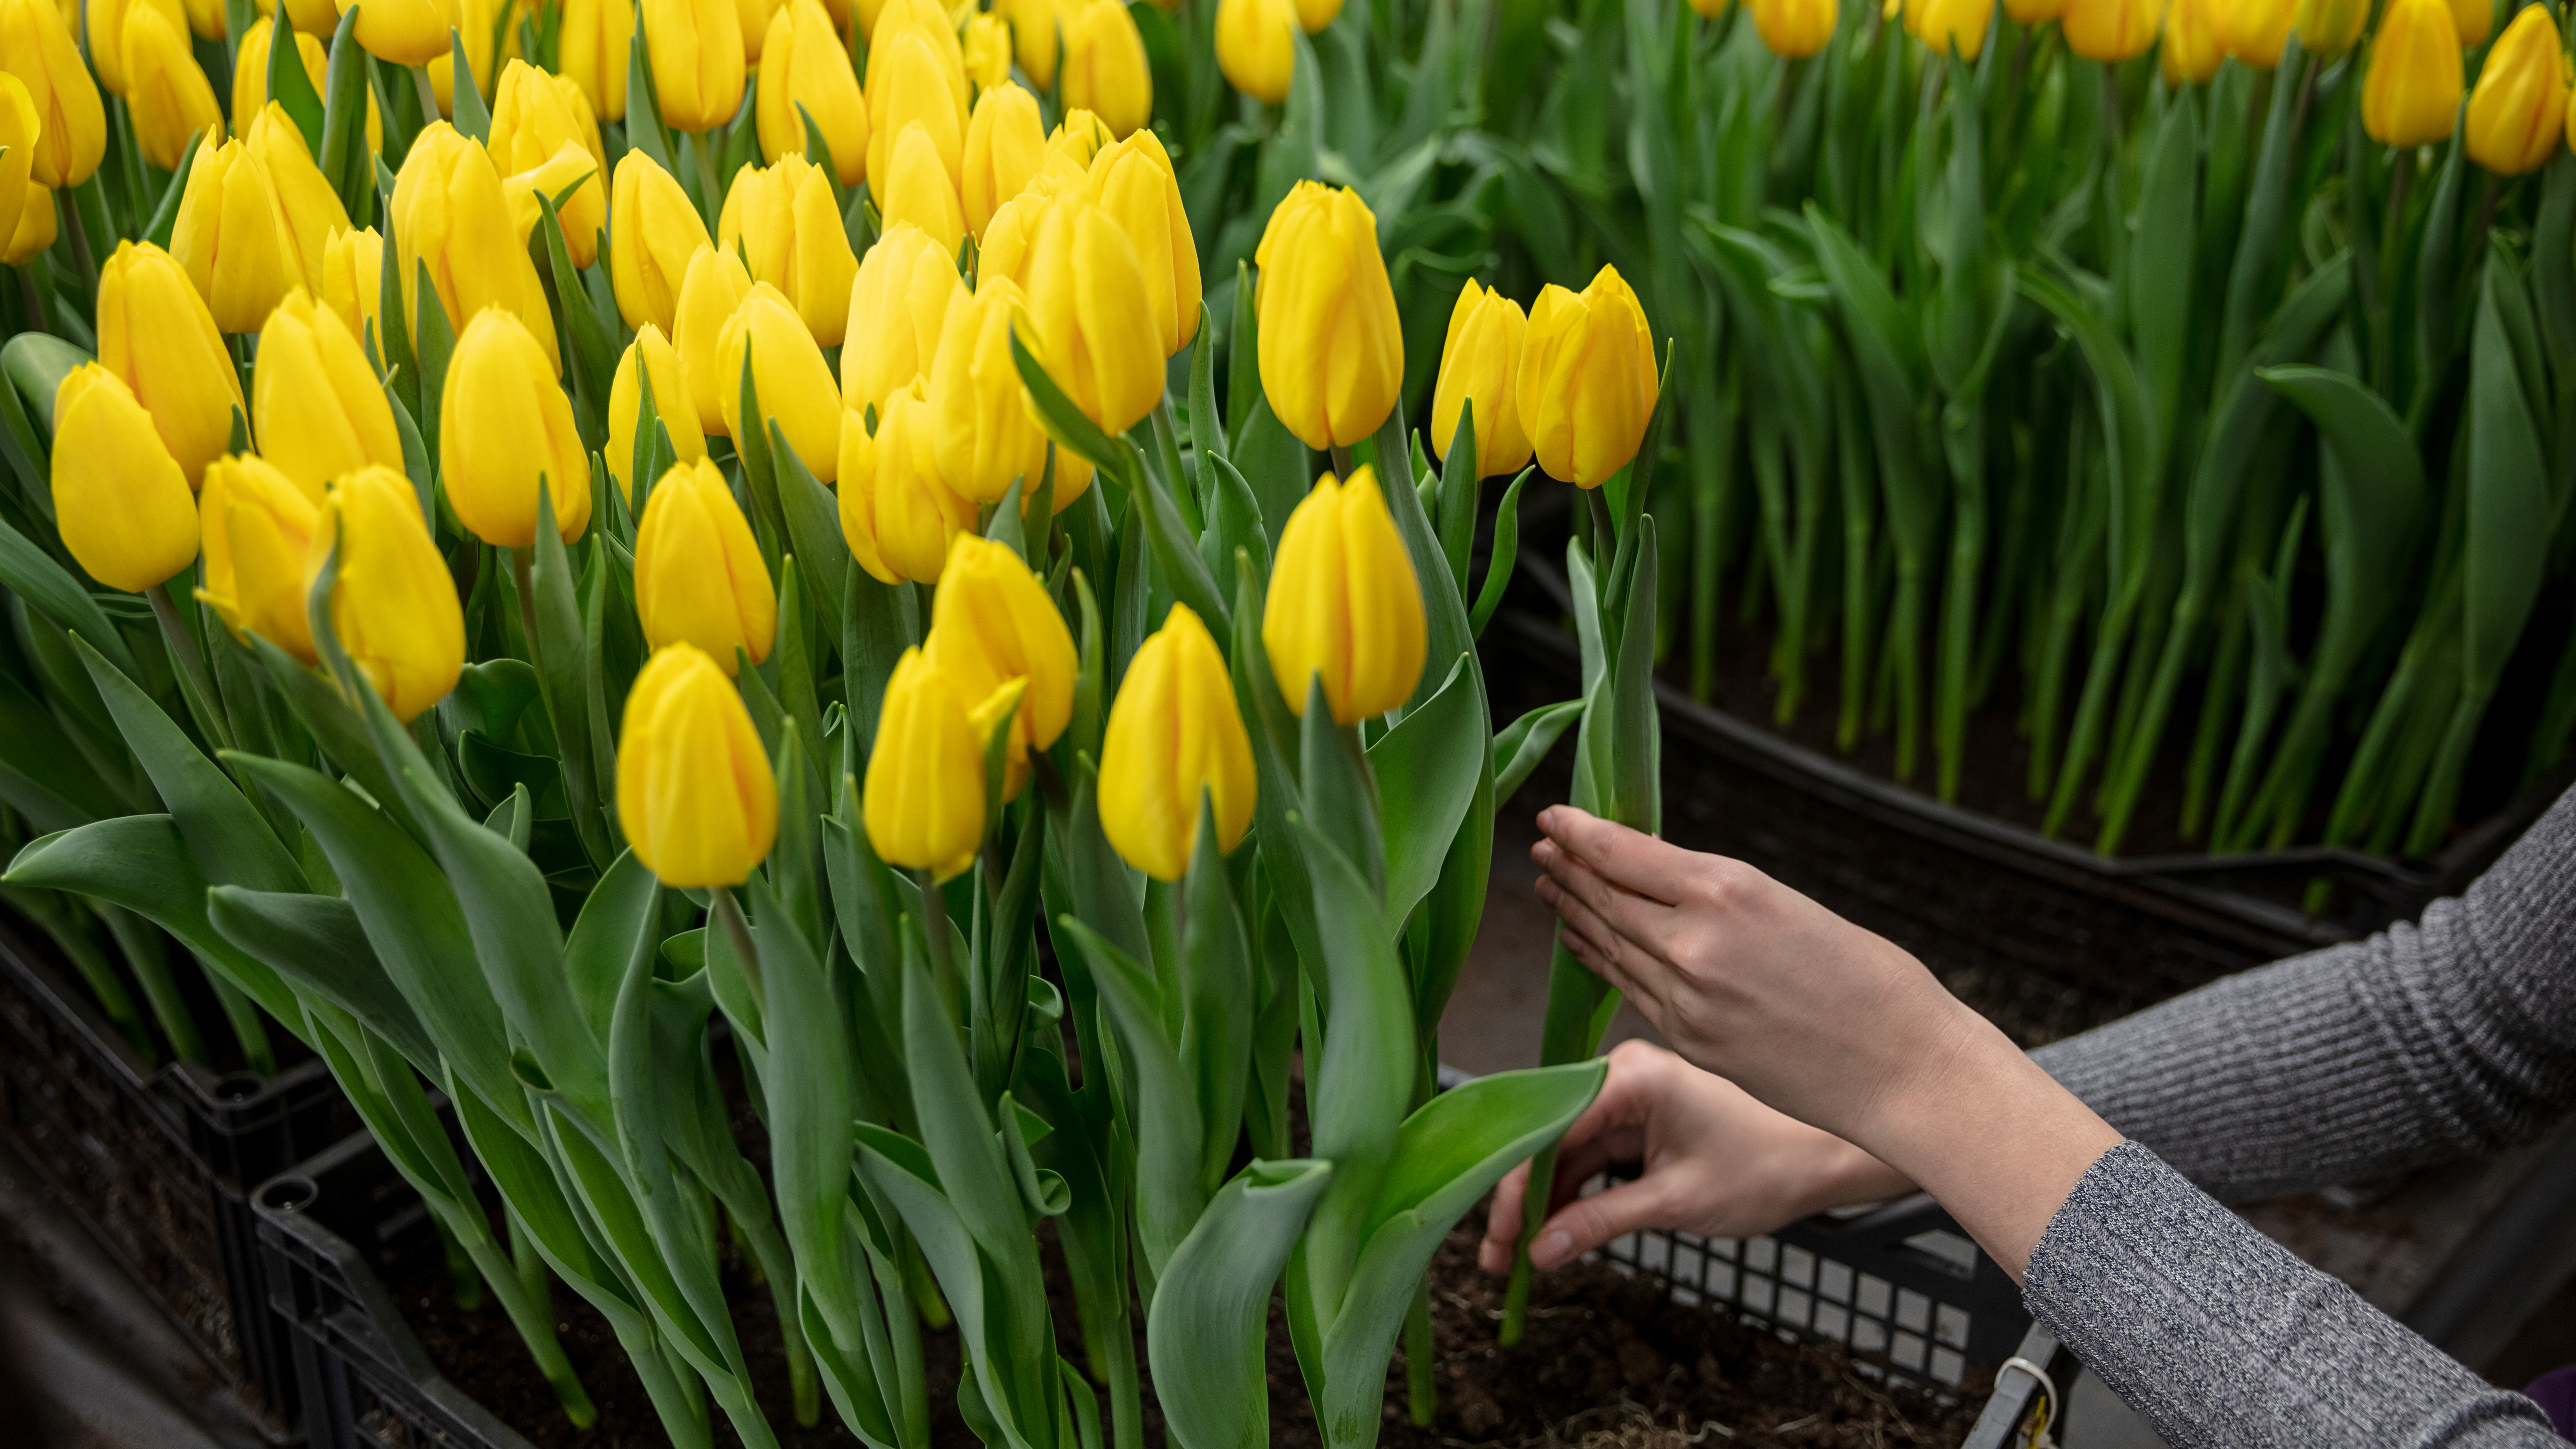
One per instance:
(1342, 463)
(84, 260)
(934, 931)
(427, 93)
(522, 576)
(31, 299)
(705, 148)
(738, 931)
(194, 684)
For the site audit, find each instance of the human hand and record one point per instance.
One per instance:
(1717, 1163)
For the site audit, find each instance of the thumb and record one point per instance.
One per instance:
(1588, 1222)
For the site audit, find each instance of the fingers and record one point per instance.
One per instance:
(1642, 919)
(1591, 939)
(1503, 1222)
(1629, 859)
(1587, 1223)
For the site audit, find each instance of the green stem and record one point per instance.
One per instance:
(712, 184)
(195, 687)
(1421, 1359)
(140, 940)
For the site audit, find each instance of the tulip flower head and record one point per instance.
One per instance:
(2110, 31)
(898, 306)
(592, 44)
(534, 114)
(1175, 739)
(917, 188)
(2194, 45)
(1314, 15)
(1344, 606)
(1140, 189)
(1036, 35)
(1005, 141)
(166, 93)
(714, 287)
(698, 62)
(695, 795)
(34, 231)
(407, 32)
(36, 46)
(1587, 381)
(924, 797)
(317, 407)
(1104, 65)
(2519, 108)
(699, 578)
(451, 215)
(792, 383)
(985, 47)
(804, 71)
(907, 85)
(1794, 29)
(491, 38)
(19, 129)
(2475, 19)
(156, 334)
(786, 224)
(1254, 48)
(2412, 95)
(1947, 25)
(258, 525)
(103, 23)
(394, 607)
(896, 513)
(1480, 363)
(1331, 345)
(2253, 31)
(1079, 137)
(122, 504)
(928, 19)
(2330, 27)
(653, 232)
(353, 264)
(250, 78)
(504, 427)
(650, 360)
(1092, 313)
(992, 623)
(307, 206)
(985, 429)
(575, 176)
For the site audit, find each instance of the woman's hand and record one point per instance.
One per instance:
(1833, 1025)
(1717, 1163)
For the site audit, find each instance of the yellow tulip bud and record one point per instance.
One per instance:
(803, 65)
(477, 21)
(2110, 31)
(122, 504)
(1079, 137)
(1709, 9)
(754, 17)
(250, 78)
(1480, 362)
(2475, 20)
(394, 607)
(2032, 12)
(36, 46)
(19, 125)
(906, 88)
(1093, 315)
(1104, 65)
(1175, 738)
(1795, 29)
(1587, 380)
(715, 285)
(924, 806)
(1004, 144)
(1344, 604)
(534, 114)
(353, 264)
(2254, 31)
(104, 24)
(1945, 24)
(591, 52)
(404, 32)
(2519, 109)
(316, 405)
(307, 205)
(1139, 188)
(918, 190)
(695, 794)
(899, 302)
(784, 221)
(504, 424)
(582, 212)
(928, 19)
(985, 426)
(1314, 15)
(2330, 27)
(1034, 26)
(650, 358)
(993, 624)
(449, 212)
(986, 50)
(698, 62)
(166, 92)
(308, 17)
(1331, 345)
(793, 383)
(653, 232)
(155, 334)
(2412, 95)
(34, 230)
(2194, 46)
(699, 578)
(258, 526)
(1254, 47)
(896, 514)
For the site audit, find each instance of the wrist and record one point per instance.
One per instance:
(1844, 1175)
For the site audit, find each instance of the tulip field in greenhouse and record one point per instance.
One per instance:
(952, 544)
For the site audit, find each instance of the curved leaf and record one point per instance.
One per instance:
(1206, 1334)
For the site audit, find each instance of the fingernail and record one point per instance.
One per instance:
(1489, 1257)
(1552, 1248)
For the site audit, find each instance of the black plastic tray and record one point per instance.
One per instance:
(158, 1163)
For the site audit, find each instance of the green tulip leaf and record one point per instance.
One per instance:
(1164, 1100)
(290, 87)
(317, 944)
(1206, 1334)
(49, 588)
(1428, 767)
(1220, 984)
(1524, 743)
(471, 116)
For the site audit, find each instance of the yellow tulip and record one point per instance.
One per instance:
(504, 425)
(2110, 31)
(155, 334)
(1005, 141)
(1104, 65)
(1174, 739)
(477, 22)
(896, 514)
(316, 405)
(985, 49)
(1587, 380)
(792, 382)
(1344, 605)
(1034, 26)
(928, 19)
(1139, 188)
(1795, 29)
(715, 285)
(698, 574)
(650, 358)
(250, 79)
(1331, 345)
(924, 806)
(591, 49)
(918, 189)
(122, 504)
(534, 114)
(34, 230)
(784, 220)
(19, 125)
(2194, 45)
(804, 65)
(404, 32)
(1255, 49)
(2254, 31)
(698, 62)
(754, 17)
(1314, 15)
(353, 264)
(1944, 24)
(985, 426)
(1480, 362)
(308, 17)
(2032, 12)
(258, 526)
(2519, 108)
(695, 794)
(103, 23)
(2330, 27)
(898, 303)
(1093, 314)
(450, 213)
(911, 93)
(166, 93)
(2412, 95)
(36, 46)
(2475, 20)
(394, 608)
(653, 231)
(1080, 137)
(993, 623)
(582, 212)
(307, 205)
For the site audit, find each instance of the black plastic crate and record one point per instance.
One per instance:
(159, 1162)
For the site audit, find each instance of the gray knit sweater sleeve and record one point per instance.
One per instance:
(2424, 1042)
